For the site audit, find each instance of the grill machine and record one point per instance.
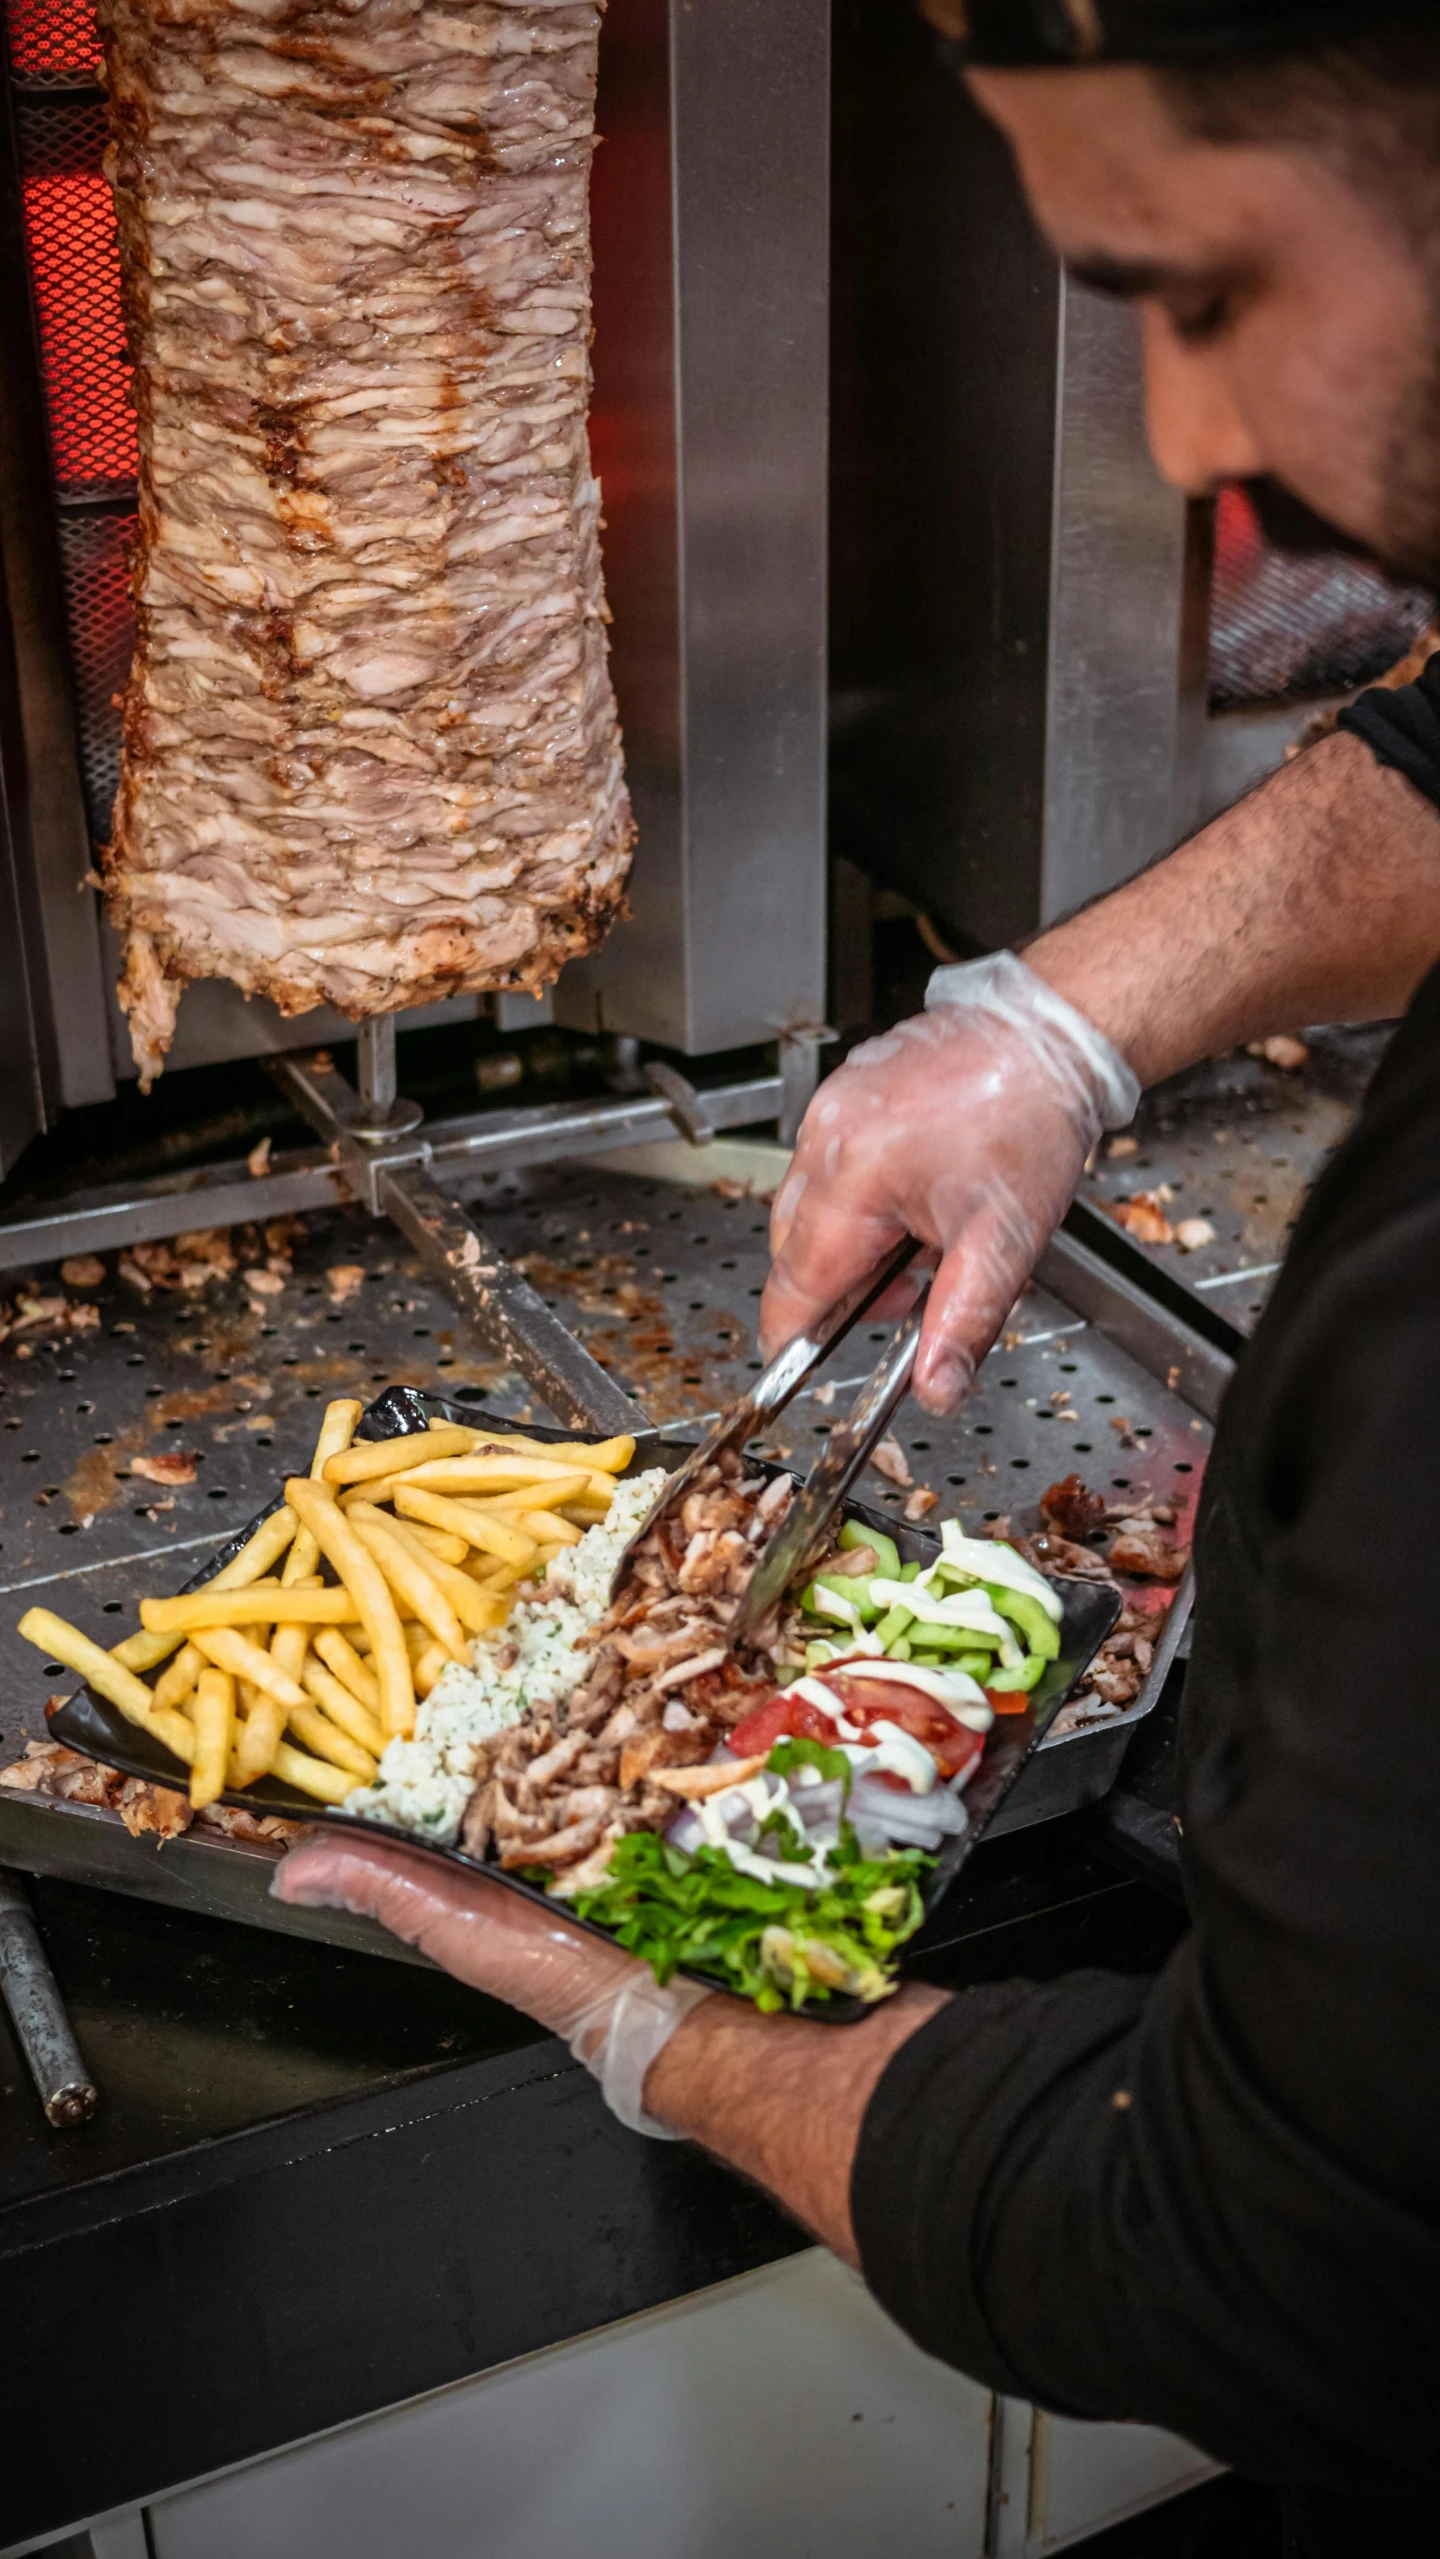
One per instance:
(712, 413)
(698, 209)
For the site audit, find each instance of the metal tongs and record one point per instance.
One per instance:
(804, 1533)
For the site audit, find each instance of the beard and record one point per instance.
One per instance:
(1406, 544)
(1410, 543)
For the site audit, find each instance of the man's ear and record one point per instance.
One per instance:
(948, 15)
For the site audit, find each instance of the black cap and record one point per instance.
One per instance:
(1018, 32)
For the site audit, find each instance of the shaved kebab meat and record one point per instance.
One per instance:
(370, 747)
(663, 1689)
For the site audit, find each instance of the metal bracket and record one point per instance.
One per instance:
(114, 1214)
(685, 1105)
(800, 1047)
(393, 1179)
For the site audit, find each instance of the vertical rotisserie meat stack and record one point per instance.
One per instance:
(371, 752)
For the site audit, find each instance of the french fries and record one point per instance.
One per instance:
(339, 1656)
(329, 1743)
(214, 1720)
(307, 1679)
(147, 1651)
(229, 1650)
(379, 1456)
(547, 1495)
(257, 1740)
(408, 1571)
(476, 1608)
(266, 1603)
(336, 1432)
(428, 1667)
(498, 1537)
(144, 1652)
(451, 1550)
(319, 1511)
(265, 1548)
(51, 1634)
(609, 1457)
(311, 1776)
(259, 1737)
(548, 1531)
(486, 1474)
(175, 1684)
(342, 1708)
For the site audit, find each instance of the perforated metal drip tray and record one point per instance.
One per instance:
(660, 1282)
(1236, 1144)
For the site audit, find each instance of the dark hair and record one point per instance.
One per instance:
(1369, 106)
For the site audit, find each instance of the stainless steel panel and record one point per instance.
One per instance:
(943, 389)
(1114, 690)
(1018, 628)
(711, 222)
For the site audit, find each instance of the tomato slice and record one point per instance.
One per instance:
(780, 1716)
(762, 1728)
(863, 1703)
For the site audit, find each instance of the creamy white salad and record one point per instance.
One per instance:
(426, 1782)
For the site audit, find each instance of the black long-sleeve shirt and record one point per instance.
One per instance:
(1212, 2200)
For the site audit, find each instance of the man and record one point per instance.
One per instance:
(1211, 2200)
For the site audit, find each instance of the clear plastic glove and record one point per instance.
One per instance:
(611, 2010)
(967, 1127)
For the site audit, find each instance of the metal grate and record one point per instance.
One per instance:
(53, 40)
(75, 275)
(95, 565)
(660, 1282)
(1238, 1142)
(1284, 628)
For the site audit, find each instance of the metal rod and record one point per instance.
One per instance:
(502, 1308)
(379, 1117)
(376, 1065)
(687, 1107)
(37, 2012)
(114, 1214)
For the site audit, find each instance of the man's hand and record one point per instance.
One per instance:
(968, 1128)
(1317, 899)
(778, 2097)
(610, 2010)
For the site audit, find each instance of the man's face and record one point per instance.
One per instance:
(1289, 329)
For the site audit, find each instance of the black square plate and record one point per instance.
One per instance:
(91, 1724)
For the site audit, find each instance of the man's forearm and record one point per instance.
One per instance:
(1316, 899)
(783, 2099)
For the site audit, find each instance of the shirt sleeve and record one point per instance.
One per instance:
(1076, 2193)
(1402, 727)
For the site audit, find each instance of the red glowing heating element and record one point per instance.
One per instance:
(75, 271)
(53, 39)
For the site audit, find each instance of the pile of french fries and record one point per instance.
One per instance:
(285, 1674)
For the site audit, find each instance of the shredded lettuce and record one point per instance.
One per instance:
(799, 1751)
(776, 1944)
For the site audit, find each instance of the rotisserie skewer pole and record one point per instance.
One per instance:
(371, 754)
